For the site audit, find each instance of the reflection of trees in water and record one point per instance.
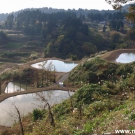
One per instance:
(14, 87)
(49, 96)
(66, 62)
(27, 102)
(46, 76)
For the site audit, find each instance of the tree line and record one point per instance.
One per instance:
(35, 21)
(65, 35)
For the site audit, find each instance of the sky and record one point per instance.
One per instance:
(8, 6)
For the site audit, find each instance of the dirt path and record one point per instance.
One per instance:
(63, 78)
(113, 55)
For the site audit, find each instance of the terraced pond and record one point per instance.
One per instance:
(126, 58)
(26, 103)
(60, 66)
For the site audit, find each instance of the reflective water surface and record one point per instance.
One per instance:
(26, 103)
(60, 66)
(13, 87)
(126, 58)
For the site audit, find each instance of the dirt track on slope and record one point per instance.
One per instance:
(113, 55)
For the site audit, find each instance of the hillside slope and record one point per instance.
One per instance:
(103, 103)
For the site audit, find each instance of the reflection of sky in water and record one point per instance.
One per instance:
(126, 58)
(26, 103)
(60, 66)
(13, 87)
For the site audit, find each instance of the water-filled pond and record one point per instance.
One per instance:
(126, 58)
(26, 103)
(13, 87)
(60, 66)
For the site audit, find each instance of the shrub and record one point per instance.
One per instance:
(132, 117)
(86, 94)
(37, 114)
(88, 128)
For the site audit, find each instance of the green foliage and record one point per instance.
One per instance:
(89, 48)
(63, 108)
(88, 93)
(126, 112)
(131, 34)
(37, 114)
(93, 71)
(106, 16)
(34, 43)
(92, 77)
(79, 132)
(120, 107)
(116, 24)
(132, 117)
(73, 57)
(98, 107)
(125, 69)
(64, 33)
(6, 75)
(116, 39)
(9, 21)
(13, 54)
(88, 128)
(12, 45)
(3, 38)
(104, 73)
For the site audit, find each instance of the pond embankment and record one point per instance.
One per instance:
(113, 55)
(54, 87)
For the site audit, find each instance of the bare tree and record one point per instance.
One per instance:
(40, 97)
(43, 70)
(20, 119)
(47, 72)
(51, 72)
(17, 117)
(54, 70)
(70, 97)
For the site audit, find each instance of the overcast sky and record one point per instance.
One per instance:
(7, 6)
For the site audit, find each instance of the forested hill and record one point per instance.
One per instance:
(68, 34)
(63, 33)
(3, 16)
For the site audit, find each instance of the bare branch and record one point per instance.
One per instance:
(20, 119)
(44, 100)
